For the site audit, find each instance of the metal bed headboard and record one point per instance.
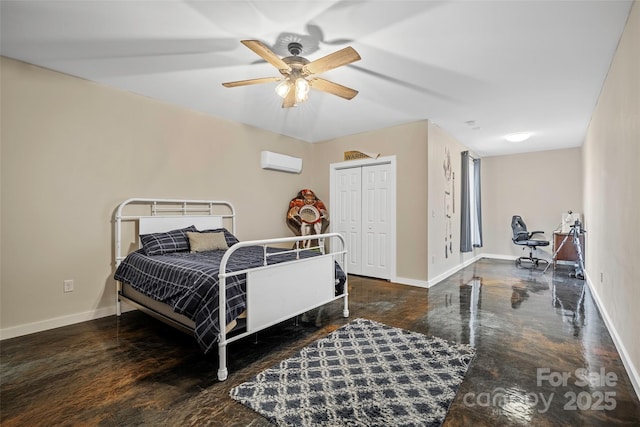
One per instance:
(171, 208)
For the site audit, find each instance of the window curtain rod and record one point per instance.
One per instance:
(469, 154)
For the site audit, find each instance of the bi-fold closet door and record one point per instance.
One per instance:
(362, 214)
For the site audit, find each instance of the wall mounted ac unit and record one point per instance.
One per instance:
(280, 162)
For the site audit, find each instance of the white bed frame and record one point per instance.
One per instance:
(265, 285)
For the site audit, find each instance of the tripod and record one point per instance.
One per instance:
(576, 229)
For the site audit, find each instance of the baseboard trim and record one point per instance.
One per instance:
(439, 278)
(499, 256)
(632, 371)
(57, 322)
(411, 282)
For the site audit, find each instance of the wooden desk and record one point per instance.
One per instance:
(568, 251)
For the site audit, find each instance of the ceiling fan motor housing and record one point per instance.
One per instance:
(295, 48)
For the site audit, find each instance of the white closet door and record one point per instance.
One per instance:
(376, 194)
(347, 219)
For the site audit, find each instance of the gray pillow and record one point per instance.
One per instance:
(167, 242)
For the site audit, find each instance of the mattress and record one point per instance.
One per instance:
(188, 283)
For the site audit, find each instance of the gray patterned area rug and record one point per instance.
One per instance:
(363, 374)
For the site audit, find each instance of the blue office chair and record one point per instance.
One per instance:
(525, 238)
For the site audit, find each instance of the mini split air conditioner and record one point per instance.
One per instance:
(280, 162)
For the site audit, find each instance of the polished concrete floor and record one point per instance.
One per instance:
(544, 358)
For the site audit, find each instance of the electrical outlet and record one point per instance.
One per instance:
(68, 285)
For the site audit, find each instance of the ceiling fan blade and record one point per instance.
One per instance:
(333, 60)
(290, 99)
(267, 54)
(332, 88)
(251, 81)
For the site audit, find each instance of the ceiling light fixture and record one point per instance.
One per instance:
(518, 136)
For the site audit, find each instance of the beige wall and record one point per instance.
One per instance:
(441, 263)
(538, 186)
(611, 186)
(409, 144)
(72, 150)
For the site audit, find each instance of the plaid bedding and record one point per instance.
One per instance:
(188, 282)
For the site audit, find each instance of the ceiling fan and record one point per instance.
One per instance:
(298, 73)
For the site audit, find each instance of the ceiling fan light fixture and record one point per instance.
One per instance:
(302, 89)
(283, 88)
(518, 136)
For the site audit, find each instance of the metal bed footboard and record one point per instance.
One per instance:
(279, 280)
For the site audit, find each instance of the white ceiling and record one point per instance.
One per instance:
(478, 69)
